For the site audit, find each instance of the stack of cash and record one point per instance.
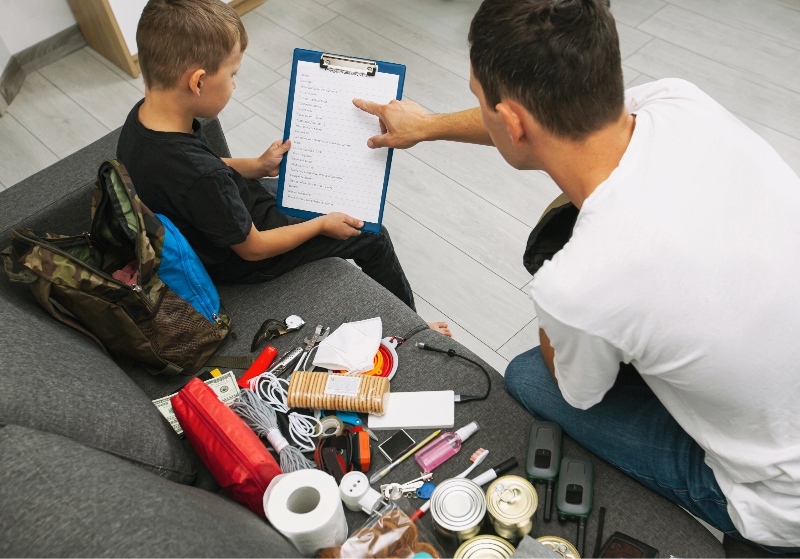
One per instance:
(224, 386)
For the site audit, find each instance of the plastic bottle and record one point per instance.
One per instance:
(443, 447)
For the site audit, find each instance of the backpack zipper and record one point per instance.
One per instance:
(135, 287)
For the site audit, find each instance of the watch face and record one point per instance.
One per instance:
(294, 322)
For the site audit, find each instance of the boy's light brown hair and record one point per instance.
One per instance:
(176, 35)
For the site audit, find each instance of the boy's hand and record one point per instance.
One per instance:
(339, 226)
(270, 160)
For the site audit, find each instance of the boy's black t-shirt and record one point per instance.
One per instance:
(180, 176)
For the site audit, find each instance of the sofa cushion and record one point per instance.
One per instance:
(328, 292)
(57, 380)
(61, 498)
(333, 291)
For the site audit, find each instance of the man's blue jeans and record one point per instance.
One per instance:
(631, 430)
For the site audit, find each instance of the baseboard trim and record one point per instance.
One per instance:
(34, 57)
(10, 83)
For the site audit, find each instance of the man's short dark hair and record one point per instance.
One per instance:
(559, 58)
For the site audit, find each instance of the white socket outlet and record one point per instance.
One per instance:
(356, 493)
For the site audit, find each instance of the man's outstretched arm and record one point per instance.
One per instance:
(405, 124)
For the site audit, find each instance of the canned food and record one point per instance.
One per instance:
(560, 546)
(457, 509)
(511, 502)
(490, 547)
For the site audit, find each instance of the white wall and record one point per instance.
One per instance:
(127, 14)
(24, 23)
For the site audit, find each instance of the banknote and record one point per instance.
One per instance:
(224, 386)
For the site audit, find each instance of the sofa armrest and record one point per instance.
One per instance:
(56, 199)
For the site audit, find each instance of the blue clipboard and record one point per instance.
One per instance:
(342, 63)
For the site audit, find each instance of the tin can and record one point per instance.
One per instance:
(511, 502)
(457, 509)
(560, 546)
(490, 547)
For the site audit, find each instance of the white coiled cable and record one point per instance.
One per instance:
(273, 390)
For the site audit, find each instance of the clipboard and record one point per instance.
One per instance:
(356, 69)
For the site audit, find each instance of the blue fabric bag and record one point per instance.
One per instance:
(183, 272)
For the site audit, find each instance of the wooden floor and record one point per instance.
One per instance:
(459, 215)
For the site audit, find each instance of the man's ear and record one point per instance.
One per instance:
(196, 81)
(512, 116)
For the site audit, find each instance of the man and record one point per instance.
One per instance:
(683, 263)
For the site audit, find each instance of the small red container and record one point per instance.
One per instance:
(259, 366)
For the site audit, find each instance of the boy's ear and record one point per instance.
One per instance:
(196, 81)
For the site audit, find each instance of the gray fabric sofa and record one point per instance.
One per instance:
(88, 466)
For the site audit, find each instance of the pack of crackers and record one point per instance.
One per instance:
(343, 392)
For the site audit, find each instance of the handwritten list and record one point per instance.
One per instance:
(330, 168)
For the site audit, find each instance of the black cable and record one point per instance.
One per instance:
(452, 353)
(581, 535)
(548, 501)
(599, 541)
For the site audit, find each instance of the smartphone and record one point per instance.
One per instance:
(396, 445)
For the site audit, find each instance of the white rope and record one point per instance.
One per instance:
(303, 429)
(277, 440)
(261, 418)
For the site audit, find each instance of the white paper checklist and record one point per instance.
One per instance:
(329, 167)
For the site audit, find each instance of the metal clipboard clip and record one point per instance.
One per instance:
(346, 65)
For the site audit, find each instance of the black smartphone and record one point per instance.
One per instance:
(396, 445)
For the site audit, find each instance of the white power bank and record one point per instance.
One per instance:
(415, 410)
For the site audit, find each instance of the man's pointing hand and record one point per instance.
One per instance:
(402, 123)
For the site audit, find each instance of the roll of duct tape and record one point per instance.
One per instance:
(332, 426)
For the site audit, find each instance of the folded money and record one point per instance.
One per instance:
(224, 386)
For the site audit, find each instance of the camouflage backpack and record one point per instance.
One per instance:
(143, 318)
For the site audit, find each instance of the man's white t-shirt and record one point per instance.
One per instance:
(685, 262)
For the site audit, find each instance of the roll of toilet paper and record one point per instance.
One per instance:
(305, 507)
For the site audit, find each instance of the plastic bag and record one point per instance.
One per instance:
(327, 391)
(388, 533)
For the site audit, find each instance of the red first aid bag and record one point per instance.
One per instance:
(231, 451)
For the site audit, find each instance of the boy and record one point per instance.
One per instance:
(189, 53)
